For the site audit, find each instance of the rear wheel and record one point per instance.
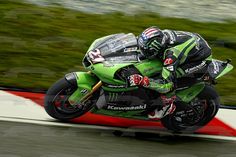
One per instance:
(196, 114)
(57, 105)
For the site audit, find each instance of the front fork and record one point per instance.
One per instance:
(78, 98)
(94, 89)
(86, 85)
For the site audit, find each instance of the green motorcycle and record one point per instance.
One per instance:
(103, 89)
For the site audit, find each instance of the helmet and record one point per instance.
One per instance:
(151, 42)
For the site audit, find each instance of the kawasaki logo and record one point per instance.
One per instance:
(196, 68)
(127, 108)
(116, 86)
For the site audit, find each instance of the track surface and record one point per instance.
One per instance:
(23, 140)
(29, 106)
(37, 134)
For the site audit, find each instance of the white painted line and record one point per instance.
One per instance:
(216, 137)
(130, 130)
(48, 122)
(18, 109)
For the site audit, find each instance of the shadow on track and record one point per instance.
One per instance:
(19, 139)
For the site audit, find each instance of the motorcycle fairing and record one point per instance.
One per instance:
(218, 68)
(114, 45)
(188, 94)
(118, 52)
(106, 71)
(149, 68)
(85, 82)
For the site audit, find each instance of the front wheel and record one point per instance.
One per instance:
(57, 105)
(196, 114)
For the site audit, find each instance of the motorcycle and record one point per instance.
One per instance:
(103, 88)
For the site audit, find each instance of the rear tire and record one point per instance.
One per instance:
(208, 99)
(56, 102)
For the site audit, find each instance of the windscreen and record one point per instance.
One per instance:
(114, 48)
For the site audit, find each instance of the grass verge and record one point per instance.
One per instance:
(38, 45)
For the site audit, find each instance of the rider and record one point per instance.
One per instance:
(181, 52)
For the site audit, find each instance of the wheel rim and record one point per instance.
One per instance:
(62, 104)
(193, 113)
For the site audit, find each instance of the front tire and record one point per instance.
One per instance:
(190, 117)
(56, 101)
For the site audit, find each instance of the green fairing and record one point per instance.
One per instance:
(105, 72)
(186, 95)
(228, 68)
(189, 94)
(149, 67)
(119, 89)
(85, 82)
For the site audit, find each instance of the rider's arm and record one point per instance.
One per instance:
(172, 58)
(165, 83)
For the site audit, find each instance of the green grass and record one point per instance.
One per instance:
(38, 45)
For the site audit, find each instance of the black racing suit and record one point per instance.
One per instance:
(185, 53)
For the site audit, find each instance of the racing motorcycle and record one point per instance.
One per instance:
(103, 88)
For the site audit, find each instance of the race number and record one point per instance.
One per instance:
(96, 56)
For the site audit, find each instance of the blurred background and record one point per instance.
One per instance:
(42, 40)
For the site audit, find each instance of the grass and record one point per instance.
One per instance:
(38, 45)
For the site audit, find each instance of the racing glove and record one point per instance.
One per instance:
(138, 80)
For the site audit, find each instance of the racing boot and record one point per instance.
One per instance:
(167, 108)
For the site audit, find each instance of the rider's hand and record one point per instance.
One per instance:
(136, 79)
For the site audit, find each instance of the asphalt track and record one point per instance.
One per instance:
(26, 130)
(28, 140)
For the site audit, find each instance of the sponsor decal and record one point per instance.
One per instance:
(182, 33)
(171, 35)
(148, 70)
(170, 68)
(168, 61)
(126, 108)
(84, 91)
(216, 67)
(113, 97)
(131, 49)
(107, 64)
(140, 41)
(115, 86)
(122, 59)
(196, 68)
(182, 88)
(197, 42)
(96, 56)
